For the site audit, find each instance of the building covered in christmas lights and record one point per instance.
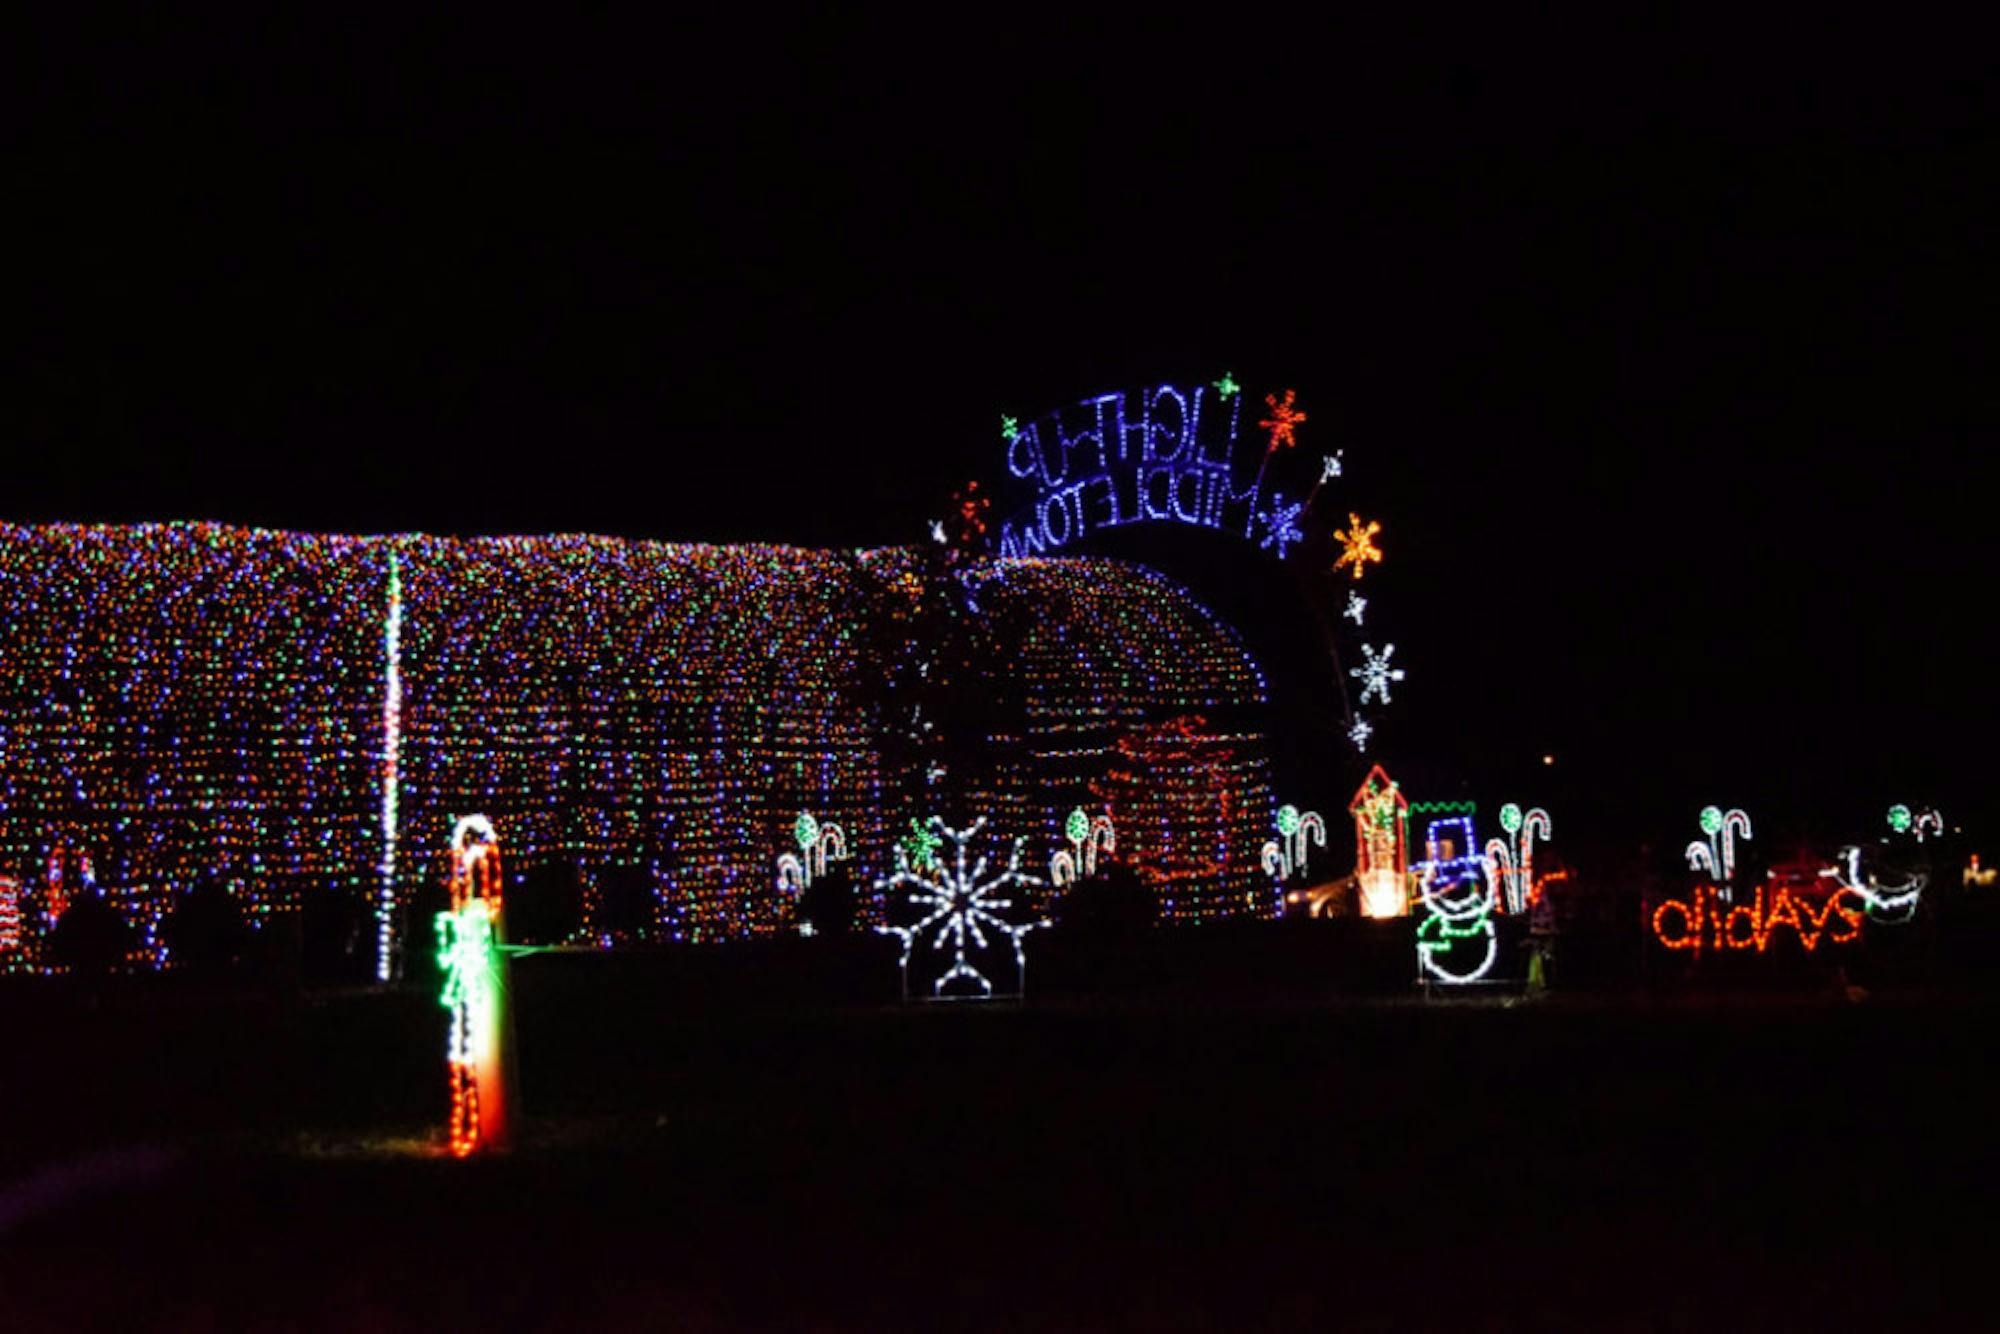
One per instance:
(293, 715)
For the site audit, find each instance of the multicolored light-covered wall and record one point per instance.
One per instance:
(191, 701)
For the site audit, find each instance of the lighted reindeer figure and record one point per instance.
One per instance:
(1514, 856)
(1088, 837)
(471, 953)
(1717, 856)
(1282, 859)
(1891, 904)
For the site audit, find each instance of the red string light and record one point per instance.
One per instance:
(1707, 921)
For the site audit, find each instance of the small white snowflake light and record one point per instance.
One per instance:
(1329, 467)
(1375, 673)
(962, 905)
(1356, 604)
(1358, 732)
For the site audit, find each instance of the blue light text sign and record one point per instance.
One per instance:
(1166, 454)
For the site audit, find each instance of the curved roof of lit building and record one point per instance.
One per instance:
(189, 701)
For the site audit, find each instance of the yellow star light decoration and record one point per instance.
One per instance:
(1357, 544)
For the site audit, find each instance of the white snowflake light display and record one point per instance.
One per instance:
(1375, 673)
(1356, 605)
(960, 910)
(1358, 732)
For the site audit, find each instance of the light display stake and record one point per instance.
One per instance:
(1514, 856)
(471, 953)
(1456, 890)
(1282, 422)
(1892, 905)
(1087, 836)
(1375, 673)
(1706, 920)
(1381, 860)
(1357, 545)
(392, 746)
(961, 904)
(1717, 857)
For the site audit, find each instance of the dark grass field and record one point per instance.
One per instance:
(704, 1152)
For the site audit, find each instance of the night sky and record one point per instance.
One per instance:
(1669, 379)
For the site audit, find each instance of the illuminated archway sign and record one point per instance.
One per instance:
(1177, 454)
(1169, 454)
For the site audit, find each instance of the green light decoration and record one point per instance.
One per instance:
(1510, 818)
(471, 964)
(1227, 386)
(1286, 854)
(1078, 826)
(1009, 427)
(1717, 857)
(467, 956)
(921, 845)
(806, 830)
(1899, 818)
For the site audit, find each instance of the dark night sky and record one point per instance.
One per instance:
(1668, 377)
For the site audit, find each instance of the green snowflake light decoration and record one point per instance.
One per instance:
(806, 831)
(1009, 427)
(1899, 818)
(1227, 386)
(920, 845)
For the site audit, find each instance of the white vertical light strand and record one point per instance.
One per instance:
(392, 743)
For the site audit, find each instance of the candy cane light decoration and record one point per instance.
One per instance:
(818, 845)
(1295, 828)
(1718, 855)
(470, 939)
(1088, 836)
(1514, 856)
(10, 916)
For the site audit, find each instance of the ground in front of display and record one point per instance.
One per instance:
(1660, 1159)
